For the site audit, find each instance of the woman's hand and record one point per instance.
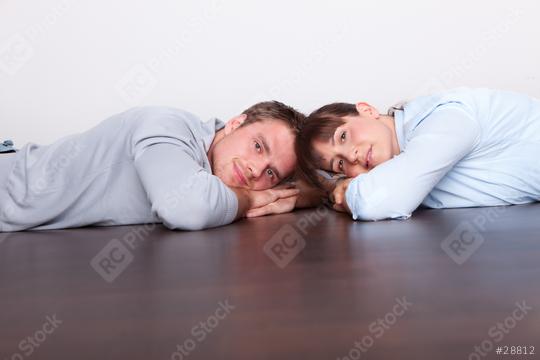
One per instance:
(338, 195)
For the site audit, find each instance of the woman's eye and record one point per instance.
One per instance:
(340, 165)
(270, 172)
(257, 146)
(343, 136)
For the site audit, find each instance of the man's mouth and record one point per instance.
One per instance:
(368, 159)
(239, 175)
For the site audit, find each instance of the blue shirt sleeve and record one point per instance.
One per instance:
(395, 188)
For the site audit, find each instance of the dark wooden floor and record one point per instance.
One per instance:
(432, 287)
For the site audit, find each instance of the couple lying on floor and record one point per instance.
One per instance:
(460, 148)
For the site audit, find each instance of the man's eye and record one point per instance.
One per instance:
(257, 146)
(340, 165)
(343, 136)
(270, 172)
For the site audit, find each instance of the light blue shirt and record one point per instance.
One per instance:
(144, 165)
(461, 148)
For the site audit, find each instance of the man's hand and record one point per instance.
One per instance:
(260, 198)
(308, 196)
(252, 199)
(338, 196)
(279, 206)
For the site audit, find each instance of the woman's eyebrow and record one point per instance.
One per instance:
(333, 145)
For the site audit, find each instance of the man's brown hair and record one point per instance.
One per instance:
(274, 110)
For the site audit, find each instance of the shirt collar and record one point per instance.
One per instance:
(400, 131)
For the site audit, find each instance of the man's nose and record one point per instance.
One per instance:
(255, 170)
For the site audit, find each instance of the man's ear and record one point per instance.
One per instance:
(234, 123)
(366, 110)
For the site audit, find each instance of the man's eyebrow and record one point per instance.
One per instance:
(267, 150)
(277, 174)
(332, 164)
(264, 143)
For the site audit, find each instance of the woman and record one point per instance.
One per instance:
(461, 148)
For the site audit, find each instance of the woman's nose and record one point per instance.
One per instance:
(353, 156)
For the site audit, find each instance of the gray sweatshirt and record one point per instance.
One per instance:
(145, 165)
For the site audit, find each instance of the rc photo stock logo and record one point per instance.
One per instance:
(112, 260)
(462, 242)
(136, 84)
(283, 247)
(19, 48)
(31, 343)
(467, 236)
(15, 53)
(115, 257)
(289, 240)
(140, 79)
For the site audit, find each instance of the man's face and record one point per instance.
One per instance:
(256, 156)
(357, 146)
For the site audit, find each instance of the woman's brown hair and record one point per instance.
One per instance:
(320, 125)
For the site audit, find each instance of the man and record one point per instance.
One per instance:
(156, 164)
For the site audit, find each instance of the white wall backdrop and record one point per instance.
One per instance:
(65, 65)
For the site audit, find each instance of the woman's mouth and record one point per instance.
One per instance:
(368, 159)
(239, 175)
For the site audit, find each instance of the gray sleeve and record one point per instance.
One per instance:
(183, 194)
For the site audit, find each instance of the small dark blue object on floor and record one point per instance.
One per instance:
(7, 147)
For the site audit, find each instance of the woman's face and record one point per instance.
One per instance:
(361, 143)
